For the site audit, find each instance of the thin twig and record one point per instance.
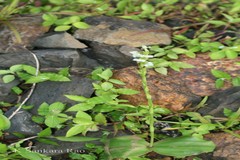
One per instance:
(32, 88)
(25, 139)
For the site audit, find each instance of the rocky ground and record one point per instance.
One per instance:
(107, 43)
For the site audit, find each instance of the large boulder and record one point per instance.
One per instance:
(178, 90)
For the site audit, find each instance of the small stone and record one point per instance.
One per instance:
(58, 40)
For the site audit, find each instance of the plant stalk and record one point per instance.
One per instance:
(143, 74)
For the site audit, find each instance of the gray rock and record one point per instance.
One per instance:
(58, 40)
(49, 58)
(22, 123)
(229, 98)
(51, 92)
(6, 94)
(28, 31)
(115, 31)
(110, 56)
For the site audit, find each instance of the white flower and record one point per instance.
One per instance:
(149, 64)
(145, 48)
(139, 60)
(135, 54)
(221, 47)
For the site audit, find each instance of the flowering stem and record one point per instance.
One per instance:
(143, 74)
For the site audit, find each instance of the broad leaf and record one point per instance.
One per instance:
(76, 130)
(126, 146)
(4, 122)
(62, 28)
(220, 74)
(43, 109)
(44, 133)
(77, 98)
(183, 146)
(81, 25)
(8, 78)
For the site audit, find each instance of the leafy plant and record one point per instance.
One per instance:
(106, 100)
(222, 77)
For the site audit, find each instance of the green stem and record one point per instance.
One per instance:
(143, 74)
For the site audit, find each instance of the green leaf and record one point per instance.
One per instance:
(37, 79)
(161, 70)
(8, 78)
(45, 133)
(126, 91)
(17, 90)
(216, 22)
(38, 119)
(43, 109)
(83, 115)
(217, 55)
(74, 19)
(3, 148)
(76, 130)
(5, 72)
(53, 121)
(62, 28)
(148, 8)
(64, 72)
(116, 81)
(183, 65)
(220, 74)
(56, 107)
(47, 141)
(106, 86)
(57, 2)
(101, 119)
(172, 55)
(183, 146)
(4, 122)
(77, 139)
(28, 154)
(81, 25)
(81, 107)
(219, 83)
(29, 69)
(47, 76)
(126, 146)
(231, 54)
(236, 81)
(76, 98)
(179, 50)
(63, 21)
(106, 74)
(88, 1)
(16, 68)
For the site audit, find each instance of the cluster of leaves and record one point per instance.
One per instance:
(205, 42)
(222, 77)
(27, 74)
